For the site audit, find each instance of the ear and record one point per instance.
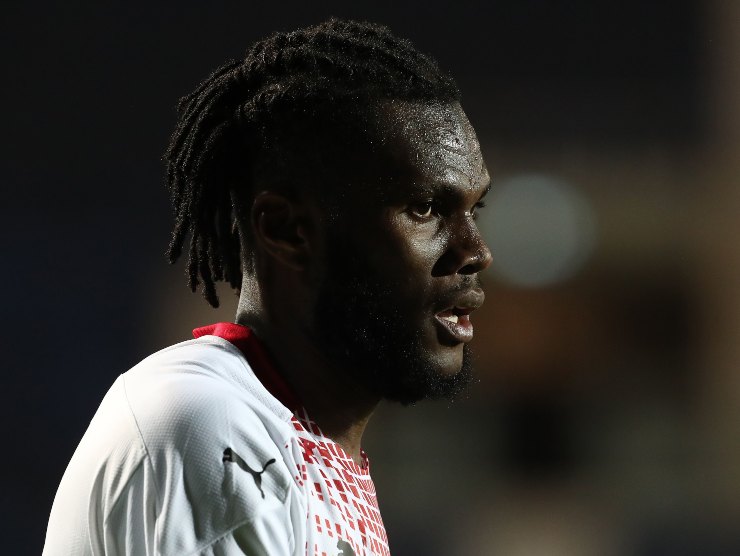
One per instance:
(281, 227)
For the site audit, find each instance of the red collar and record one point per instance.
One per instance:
(259, 359)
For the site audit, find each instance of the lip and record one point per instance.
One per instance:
(460, 332)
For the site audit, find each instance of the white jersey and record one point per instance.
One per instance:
(190, 453)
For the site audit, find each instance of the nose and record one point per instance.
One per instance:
(466, 253)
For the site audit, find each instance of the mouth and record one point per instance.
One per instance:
(454, 322)
(455, 325)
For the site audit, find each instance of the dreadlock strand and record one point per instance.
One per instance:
(204, 268)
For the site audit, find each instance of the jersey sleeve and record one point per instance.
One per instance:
(106, 473)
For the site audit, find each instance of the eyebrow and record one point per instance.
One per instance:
(447, 190)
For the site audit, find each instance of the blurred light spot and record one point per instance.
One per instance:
(540, 230)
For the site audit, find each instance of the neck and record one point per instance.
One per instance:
(330, 395)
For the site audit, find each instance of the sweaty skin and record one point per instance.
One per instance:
(364, 289)
(428, 233)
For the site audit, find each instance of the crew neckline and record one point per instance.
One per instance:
(261, 363)
(258, 358)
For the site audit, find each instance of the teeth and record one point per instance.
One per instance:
(451, 318)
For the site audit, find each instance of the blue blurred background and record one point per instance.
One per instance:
(607, 416)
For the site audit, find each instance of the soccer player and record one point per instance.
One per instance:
(333, 179)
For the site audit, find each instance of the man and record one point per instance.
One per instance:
(332, 177)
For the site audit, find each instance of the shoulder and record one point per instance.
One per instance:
(198, 398)
(213, 438)
(196, 384)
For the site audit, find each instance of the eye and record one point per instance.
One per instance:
(474, 211)
(423, 210)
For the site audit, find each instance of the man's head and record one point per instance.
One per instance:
(342, 158)
(402, 259)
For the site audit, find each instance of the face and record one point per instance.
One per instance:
(402, 257)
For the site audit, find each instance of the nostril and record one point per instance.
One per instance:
(476, 263)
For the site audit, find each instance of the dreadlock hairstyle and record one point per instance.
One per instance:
(225, 126)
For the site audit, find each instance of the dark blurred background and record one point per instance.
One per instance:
(607, 416)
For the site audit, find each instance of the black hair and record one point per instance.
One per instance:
(224, 125)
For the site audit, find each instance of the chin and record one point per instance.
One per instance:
(445, 376)
(450, 360)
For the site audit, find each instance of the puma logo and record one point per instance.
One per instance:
(231, 456)
(344, 548)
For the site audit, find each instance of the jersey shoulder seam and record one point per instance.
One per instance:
(146, 457)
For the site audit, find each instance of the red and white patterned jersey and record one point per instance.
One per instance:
(201, 449)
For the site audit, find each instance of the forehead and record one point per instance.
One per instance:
(429, 144)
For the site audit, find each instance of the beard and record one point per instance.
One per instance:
(363, 327)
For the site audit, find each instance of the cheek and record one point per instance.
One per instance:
(427, 249)
(421, 244)
(408, 254)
